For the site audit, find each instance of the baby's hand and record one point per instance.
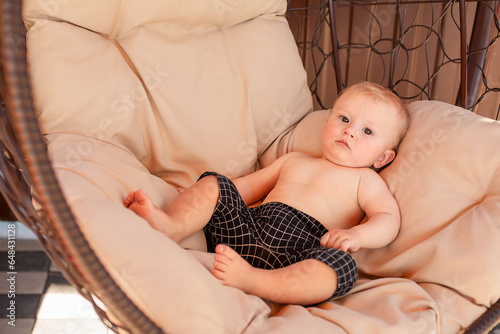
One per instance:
(345, 240)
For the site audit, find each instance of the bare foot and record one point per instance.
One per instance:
(231, 269)
(142, 205)
(305, 283)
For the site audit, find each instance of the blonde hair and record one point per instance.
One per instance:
(380, 93)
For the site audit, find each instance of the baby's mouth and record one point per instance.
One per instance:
(343, 143)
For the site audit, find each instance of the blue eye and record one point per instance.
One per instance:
(344, 119)
(367, 131)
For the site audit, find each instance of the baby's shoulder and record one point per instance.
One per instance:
(368, 172)
(297, 157)
(371, 179)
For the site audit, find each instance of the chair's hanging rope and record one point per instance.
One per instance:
(72, 250)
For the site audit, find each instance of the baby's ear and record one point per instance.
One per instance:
(385, 159)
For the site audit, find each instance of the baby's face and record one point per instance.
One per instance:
(360, 132)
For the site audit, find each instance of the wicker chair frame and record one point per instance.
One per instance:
(473, 58)
(30, 187)
(29, 184)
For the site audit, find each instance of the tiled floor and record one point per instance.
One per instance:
(43, 301)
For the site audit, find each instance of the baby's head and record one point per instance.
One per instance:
(381, 94)
(366, 126)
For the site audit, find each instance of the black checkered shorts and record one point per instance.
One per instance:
(273, 235)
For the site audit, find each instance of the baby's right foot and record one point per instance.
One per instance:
(231, 269)
(142, 205)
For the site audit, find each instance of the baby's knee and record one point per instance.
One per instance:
(344, 266)
(209, 185)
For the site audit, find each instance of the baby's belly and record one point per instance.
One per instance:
(333, 214)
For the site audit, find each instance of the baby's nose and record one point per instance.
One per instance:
(348, 132)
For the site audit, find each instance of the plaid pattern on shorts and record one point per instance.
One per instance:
(273, 235)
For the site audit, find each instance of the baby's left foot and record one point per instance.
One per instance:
(231, 269)
(142, 205)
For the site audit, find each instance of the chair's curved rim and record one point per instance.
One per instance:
(486, 322)
(75, 252)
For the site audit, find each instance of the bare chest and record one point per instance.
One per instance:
(322, 191)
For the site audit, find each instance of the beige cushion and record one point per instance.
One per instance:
(132, 96)
(146, 78)
(446, 181)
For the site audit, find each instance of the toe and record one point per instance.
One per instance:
(140, 196)
(217, 273)
(219, 264)
(226, 251)
(128, 200)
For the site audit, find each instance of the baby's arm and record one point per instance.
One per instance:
(255, 186)
(381, 209)
(382, 225)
